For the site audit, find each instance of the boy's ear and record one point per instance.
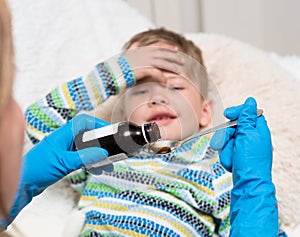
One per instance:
(206, 110)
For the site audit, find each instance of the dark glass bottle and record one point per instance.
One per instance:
(118, 139)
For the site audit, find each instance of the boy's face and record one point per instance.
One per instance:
(176, 105)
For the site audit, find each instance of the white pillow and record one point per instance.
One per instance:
(56, 41)
(240, 70)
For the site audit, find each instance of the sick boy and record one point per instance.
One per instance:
(186, 193)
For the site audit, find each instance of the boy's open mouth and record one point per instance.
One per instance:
(162, 118)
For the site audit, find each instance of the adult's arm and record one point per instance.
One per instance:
(52, 159)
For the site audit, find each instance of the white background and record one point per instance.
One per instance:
(272, 25)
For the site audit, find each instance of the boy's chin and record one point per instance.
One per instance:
(174, 133)
(177, 137)
(168, 133)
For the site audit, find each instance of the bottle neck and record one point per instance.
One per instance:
(150, 132)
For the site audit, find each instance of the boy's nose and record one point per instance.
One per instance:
(158, 99)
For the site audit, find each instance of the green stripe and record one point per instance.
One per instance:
(39, 114)
(72, 113)
(171, 181)
(113, 76)
(176, 191)
(86, 233)
(56, 98)
(225, 225)
(200, 144)
(102, 187)
(221, 210)
(77, 176)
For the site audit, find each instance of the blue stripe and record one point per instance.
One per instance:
(103, 81)
(36, 123)
(136, 224)
(85, 100)
(73, 94)
(49, 112)
(126, 70)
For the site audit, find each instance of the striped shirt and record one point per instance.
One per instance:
(181, 194)
(186, 193)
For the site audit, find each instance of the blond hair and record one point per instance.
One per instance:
(6, 55)
(161, 34)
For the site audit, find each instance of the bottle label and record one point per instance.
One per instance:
(100, 132)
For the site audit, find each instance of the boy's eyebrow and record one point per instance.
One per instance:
(152, 82)
(147, 79)
(177, 78)
(173, 75)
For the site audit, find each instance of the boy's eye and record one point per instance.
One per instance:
(140, 92)
(175, 88)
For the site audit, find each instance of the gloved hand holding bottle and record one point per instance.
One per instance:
(53, 158)
(246, 151)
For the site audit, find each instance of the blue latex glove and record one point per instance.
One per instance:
(246, 151)
(53, 158)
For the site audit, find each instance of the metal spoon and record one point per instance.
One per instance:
(167, 146)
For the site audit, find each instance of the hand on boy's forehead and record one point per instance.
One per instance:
(157, 70)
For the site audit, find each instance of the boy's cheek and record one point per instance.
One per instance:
(136, 117)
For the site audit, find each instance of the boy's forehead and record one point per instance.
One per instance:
(168, 75)
(171, 78)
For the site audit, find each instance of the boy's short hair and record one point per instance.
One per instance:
(184, 45)
(152, 36)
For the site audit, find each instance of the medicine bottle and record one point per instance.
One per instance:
(121, 140)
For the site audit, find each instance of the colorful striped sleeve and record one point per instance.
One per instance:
(85, 93)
